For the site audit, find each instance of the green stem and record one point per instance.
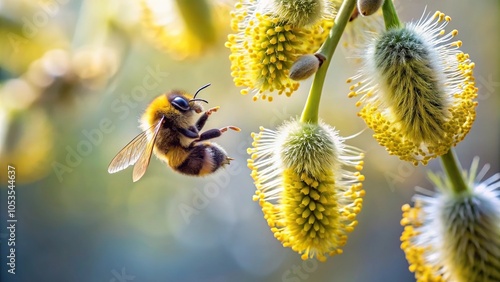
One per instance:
(454, 172)
(311, 109)
(197, 15)
(390, 16)
(92, 24)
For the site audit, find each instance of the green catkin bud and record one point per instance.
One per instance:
(306, 65)
(300, 12)
(309, 147)
(369, 7)
(408, 70)
(416, 89)
(455, 237)
(472, 237)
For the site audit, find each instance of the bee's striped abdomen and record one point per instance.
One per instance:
(203, 159)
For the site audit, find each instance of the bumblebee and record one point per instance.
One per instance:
(171, 130)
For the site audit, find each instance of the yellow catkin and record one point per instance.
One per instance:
(309, 208)
(264, 48)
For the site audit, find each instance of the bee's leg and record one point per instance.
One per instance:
(214, 133)
(189, 132)
(201, 121)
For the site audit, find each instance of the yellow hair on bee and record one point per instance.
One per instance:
(162, 106)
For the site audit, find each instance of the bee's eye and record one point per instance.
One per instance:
(180, 104)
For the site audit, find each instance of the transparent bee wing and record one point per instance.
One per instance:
(136, 148)
(142, 163)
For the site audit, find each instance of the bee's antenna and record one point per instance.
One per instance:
(198, 99)
(201, 88)
(198, 91)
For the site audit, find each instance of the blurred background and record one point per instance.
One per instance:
(75, 76)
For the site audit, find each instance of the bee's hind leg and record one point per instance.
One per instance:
(214, 133)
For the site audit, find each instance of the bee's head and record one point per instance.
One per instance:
(183, 103)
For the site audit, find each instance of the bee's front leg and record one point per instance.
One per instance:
(203, 119)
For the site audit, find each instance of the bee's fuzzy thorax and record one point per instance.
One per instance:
(161, 106)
